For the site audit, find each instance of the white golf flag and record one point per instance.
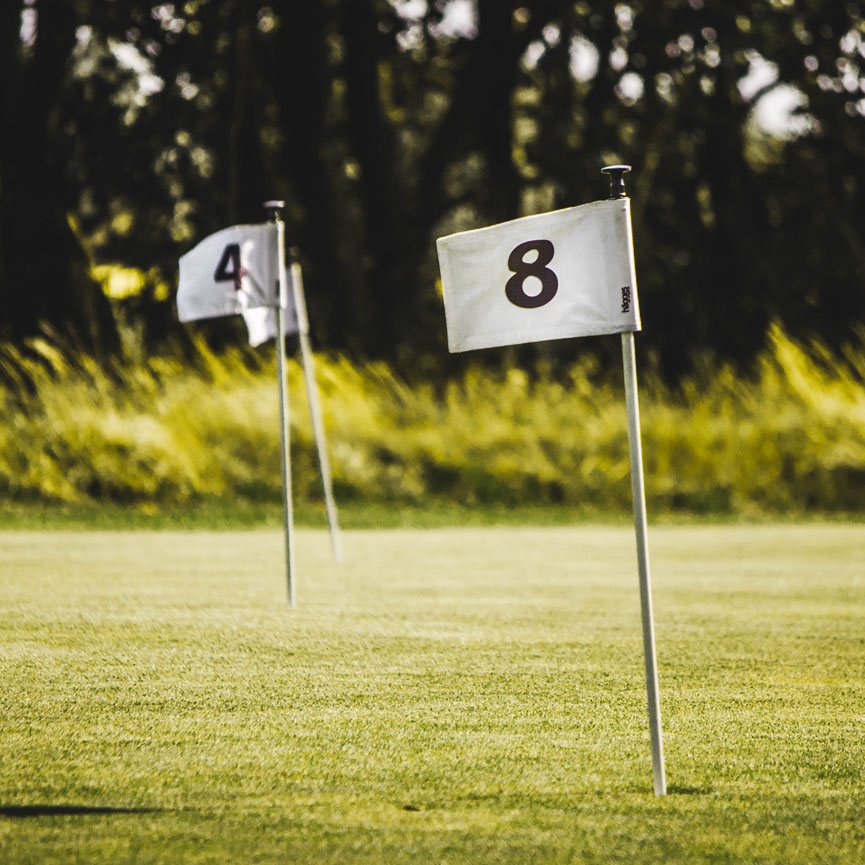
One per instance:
(228, 272)
(260, 324)
(567, 273)
(236, 271)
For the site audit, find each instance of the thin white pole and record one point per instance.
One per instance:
(284, 409)
(639, 497)
(308, 361)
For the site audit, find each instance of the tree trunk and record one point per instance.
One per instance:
(44, 274)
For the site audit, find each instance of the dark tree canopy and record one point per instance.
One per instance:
(133, 129)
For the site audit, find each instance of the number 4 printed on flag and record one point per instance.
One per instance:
(230, 256)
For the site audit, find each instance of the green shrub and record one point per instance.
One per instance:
(167, 430)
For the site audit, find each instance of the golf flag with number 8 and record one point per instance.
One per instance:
(567, 273)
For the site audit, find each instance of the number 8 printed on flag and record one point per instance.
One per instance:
(555, 275)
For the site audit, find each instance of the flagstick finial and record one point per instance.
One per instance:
(617, 179)
(275, 207)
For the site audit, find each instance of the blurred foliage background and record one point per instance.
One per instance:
(131, 130)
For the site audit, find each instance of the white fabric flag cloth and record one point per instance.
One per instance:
(261, 321)
(228, 272)
(567, 273)
(236, 271)
(260, 324)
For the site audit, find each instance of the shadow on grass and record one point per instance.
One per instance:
(68, 810)
(681, 790)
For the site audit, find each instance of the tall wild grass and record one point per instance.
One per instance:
(169, 430)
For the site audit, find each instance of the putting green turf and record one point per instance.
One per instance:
(448, 695)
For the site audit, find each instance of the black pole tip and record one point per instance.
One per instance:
(274, 206)
(617, 179)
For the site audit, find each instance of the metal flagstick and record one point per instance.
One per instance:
(617, 190)
(275, 208)
(308, 361)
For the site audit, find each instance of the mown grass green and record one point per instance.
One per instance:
(442, 696)
(165, 432)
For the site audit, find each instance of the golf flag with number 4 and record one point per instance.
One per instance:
(235, 271)
(241, 270)
(567, 273)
